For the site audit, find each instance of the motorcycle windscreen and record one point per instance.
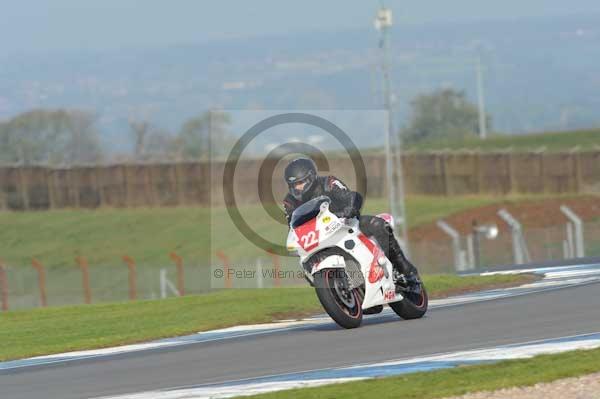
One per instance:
(307, 211)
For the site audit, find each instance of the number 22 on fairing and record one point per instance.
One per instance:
(309, 239)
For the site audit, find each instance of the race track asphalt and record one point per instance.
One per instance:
(541, 315)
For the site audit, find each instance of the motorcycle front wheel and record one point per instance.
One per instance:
(342, 304)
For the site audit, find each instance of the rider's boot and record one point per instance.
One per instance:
(407, 274)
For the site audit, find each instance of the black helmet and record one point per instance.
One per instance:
(298, 171)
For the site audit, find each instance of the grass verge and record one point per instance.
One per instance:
(54, 330)
(103, 236)
(458, 381)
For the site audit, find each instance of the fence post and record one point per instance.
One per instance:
(570, 241)
(566, 249)
(41, 280)
(259, 273)
(520, 252)
(479, 173)
(180, 276)
(471, 251)
(132, 277)
(3, 287)
(180, 183)
(51, 185)
(166, 285)
(97, 174)
(576, 162)
(24, 187)
(85, 279)
(445, 179)
(579, 247)
(458, 257)
(543, 175)
(149, 188)
(74, 178)
(225, 261)
(512, 177)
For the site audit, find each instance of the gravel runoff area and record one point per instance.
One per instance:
(586, 387)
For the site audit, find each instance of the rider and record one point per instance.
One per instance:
(304, 184)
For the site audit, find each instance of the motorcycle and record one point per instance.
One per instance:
(349, 271)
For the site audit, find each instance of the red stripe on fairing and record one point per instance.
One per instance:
(370, 244)
(375, 271)
(310, 241)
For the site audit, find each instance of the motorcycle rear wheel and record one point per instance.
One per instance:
(413, 306)
(341, 303)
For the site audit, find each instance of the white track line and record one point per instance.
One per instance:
(312, 378)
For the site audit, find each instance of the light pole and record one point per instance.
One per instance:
(481, 99)
(383, 23)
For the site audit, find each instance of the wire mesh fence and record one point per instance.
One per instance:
(543, 244)
(22, 286)
(61, 286)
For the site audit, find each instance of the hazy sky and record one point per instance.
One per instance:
(32, 26)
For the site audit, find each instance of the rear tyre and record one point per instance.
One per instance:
(341, 303)
(414, 305)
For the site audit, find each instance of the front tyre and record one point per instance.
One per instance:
(342, 304)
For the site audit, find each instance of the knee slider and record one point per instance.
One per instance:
(379, 224)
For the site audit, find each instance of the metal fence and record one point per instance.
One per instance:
(530, 245)
(22, 287)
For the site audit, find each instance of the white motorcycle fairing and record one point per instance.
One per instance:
(325, 231)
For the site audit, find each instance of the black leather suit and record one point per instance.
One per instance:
(347, 203)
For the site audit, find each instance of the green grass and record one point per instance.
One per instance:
(53, 330)
(553, 141)
(458, 381)
(149, 235)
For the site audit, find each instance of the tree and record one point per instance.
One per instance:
(444, 113)
(203, 136)
(159, 145)
(151, 143)
(198, 138)
(82, 144)
(55, 137)
(139, 133)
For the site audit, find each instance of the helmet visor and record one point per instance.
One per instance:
(297, 187)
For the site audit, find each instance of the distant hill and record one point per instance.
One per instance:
(540, 74)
